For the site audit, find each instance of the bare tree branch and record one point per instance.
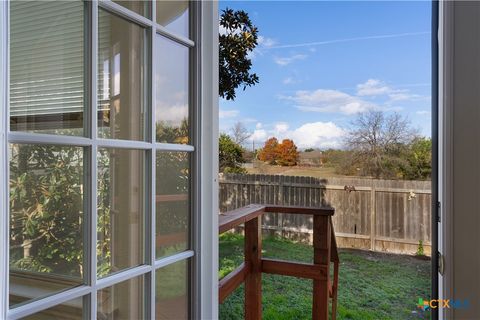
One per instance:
(377, 139)
(239, 133)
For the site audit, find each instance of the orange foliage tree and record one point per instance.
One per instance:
(284, 154)
(287, 153)
(269, 151)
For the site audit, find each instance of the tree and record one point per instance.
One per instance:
(239, 133)
(378, 141)
(269, 151)
(342, 161)
(169, 133)
(284, 154)
(230, 155)
(235, 43)
(418, 159)
(287, 154)
(46, 209)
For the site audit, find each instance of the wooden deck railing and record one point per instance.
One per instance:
(250, 271)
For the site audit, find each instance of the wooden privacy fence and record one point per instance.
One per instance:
(380, 215)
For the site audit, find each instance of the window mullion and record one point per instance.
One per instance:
(93, 54)
(4, 234)
(153, 158)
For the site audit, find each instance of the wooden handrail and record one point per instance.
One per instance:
(301, 210)
(234, 218)
(231, 281)
(249, 272)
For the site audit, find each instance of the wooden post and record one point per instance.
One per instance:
(335, 290)
(373, 219)
(321, 256)
(253, 280)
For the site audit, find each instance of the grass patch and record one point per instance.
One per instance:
(371, 285)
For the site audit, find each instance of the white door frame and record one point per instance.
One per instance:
(207, 296)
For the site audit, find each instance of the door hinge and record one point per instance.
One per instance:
(440, 263)
(439, 211)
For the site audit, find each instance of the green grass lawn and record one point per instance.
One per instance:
(372, 285)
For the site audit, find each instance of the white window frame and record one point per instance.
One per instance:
(204, 133)
(3, 159)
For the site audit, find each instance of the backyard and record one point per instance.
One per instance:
(372, 285)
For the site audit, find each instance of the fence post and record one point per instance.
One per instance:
(280, 216)
(321, 256)
(373, 218)
(253, 281)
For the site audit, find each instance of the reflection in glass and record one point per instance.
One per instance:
(70, 310)
(171, 83)
(173, 205)
(46, 220)
(121, 78)
(123, 301)
(172, 291)
(121, 210)
(47, 66)
(174, 16)
(138, 6)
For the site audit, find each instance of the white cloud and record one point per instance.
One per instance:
(373, 87)
(263, 43)
(281, 127)
(423, 112)
(283, 61)
(322, 100)
(172, 113)
(288, 80)
(222, 30)
(400, 96)
(309, 135)
(228, 113)
(259, 135)
(319, 135)
(266, 42)
(404, 95)
(248, 120)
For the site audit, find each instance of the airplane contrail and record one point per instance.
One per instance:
(319, 43)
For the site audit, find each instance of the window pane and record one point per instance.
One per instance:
(173, 205)
(121, 215)
(47, 66)
(124, 300)
(46, 220)
(138, 6)
(121, 78)
(174, 16)
(172, 291)
(70, 310)
(171, 77)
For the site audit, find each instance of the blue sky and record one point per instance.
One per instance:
(321, 63)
